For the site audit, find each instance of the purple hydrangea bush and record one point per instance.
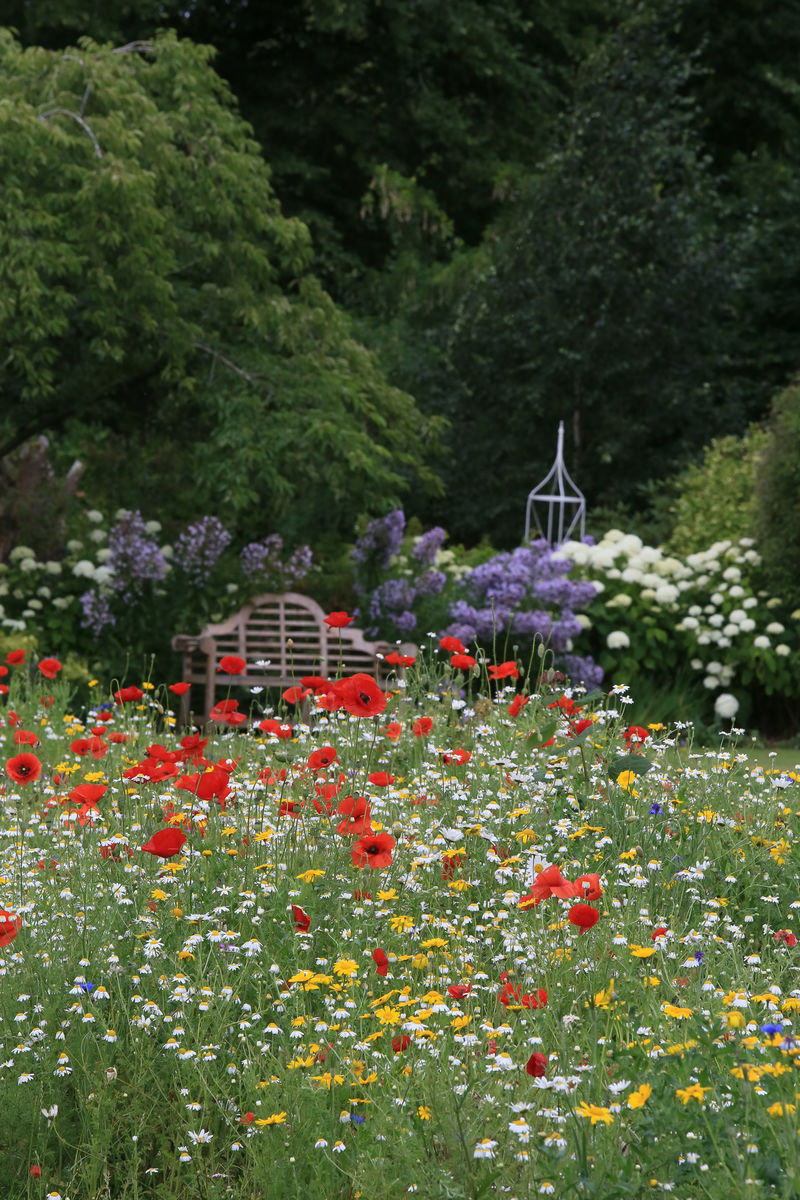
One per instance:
(526, 596)
(410, 586)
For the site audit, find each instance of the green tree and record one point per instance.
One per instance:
(440, 98)
(602, 298)
(778, 496)
(157, 305)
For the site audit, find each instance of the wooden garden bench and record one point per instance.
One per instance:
(282, 638)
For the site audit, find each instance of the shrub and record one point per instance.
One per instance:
(658, 614)
(778, 494)
(410, 584)
(716, 500)
(117, 589)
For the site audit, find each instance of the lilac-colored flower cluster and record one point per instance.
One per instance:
(429, 545)
(520, 593)
(381, 541)
(391, 603)
(135, 558)
(199, 547)
(262, 563)
(96, 612)
(393, 600)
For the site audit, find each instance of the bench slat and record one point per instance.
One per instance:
(261, 630)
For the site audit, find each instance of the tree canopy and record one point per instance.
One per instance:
(153, 296)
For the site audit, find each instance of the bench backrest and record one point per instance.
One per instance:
(282, 637)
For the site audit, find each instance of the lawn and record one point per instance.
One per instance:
(452, 940)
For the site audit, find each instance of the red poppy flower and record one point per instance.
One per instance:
(179, 689)
(506, 670)
(290, 808)
(565, 704)
(24, 737)
(456, 756)
(117, 737)
(302, 921)
(339, 620)
(584, 916)
(393, 730)
(36, 1171)
(549, 882)
(156, 750)
(400, 660)
(296, 695)
(517, 704)
(373, 850)
(49, 667)
(325, 756)
(23, 768)
(359, 895)
(452, 645)
(381, 961)
(635, 733)
(15, 658)
(510, 994)
(537, 1065)
(192, 745)
(207, 785)
(127, 694)
(232, 664)
(588, 887)
(381, 778)
(93, 745)
(247, 1119)
(10, 925)
(401, 1043)
(660, 931)
(165, 843)
(576, 728)
(462, 662)
(786, 937)
(3, 690)
(223, 710)
(278, 729)
(315, 683)
(88, 793)
(459, 990)
(356, 812)
(422, 727)
(327, 792)
(360, 695)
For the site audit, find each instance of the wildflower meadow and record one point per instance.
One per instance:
(472, 935)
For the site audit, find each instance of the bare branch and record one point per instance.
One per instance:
(226, 362)
(134, 48)
(85, 98)
(68, 113)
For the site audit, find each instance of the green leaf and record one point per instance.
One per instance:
(636, 763)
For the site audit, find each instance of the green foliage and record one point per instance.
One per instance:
(778, 494)
(601, 302)
(716, 499)
(446, 96)
(145, 265)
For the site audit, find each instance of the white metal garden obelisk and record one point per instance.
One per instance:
(563, 496)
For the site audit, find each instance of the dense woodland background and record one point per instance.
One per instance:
(369, 252)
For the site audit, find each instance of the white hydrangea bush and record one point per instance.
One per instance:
(657, 613)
